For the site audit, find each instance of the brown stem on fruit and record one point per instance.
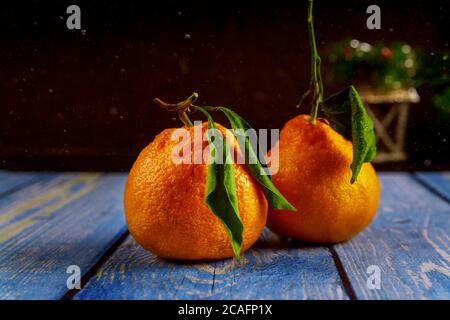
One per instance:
(181, 108)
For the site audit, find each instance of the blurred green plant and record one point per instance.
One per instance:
(434, 75)
(434, 71)
(383, 68)
(380, 67)
(442, 101)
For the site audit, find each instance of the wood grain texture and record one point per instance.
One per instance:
(64, 219)
(438, 181)
(271, 269)
(408, 240)
(12, 181)
(61, 220)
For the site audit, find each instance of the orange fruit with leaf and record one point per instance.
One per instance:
(314, 175)
(180, 208)
(324, 165)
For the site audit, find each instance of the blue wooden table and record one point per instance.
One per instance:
(50, 221)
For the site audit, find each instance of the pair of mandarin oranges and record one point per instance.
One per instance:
(166, 214)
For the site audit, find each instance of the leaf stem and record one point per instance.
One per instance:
(315, 84)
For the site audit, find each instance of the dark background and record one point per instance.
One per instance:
(82, 100)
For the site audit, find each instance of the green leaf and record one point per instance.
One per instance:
(274, 197)
(347, 115)
(220, 194)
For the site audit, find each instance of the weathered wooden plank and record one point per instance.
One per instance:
(400, 191)
(408, 241)
(70, 219)
(44, 228)
(276, 269)
(272, 269)
(438, 181)
(11, 181)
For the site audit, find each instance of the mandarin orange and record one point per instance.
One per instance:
(314, 175)
(165, 209)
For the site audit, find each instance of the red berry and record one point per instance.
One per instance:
(386, 53)
(348, 52)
